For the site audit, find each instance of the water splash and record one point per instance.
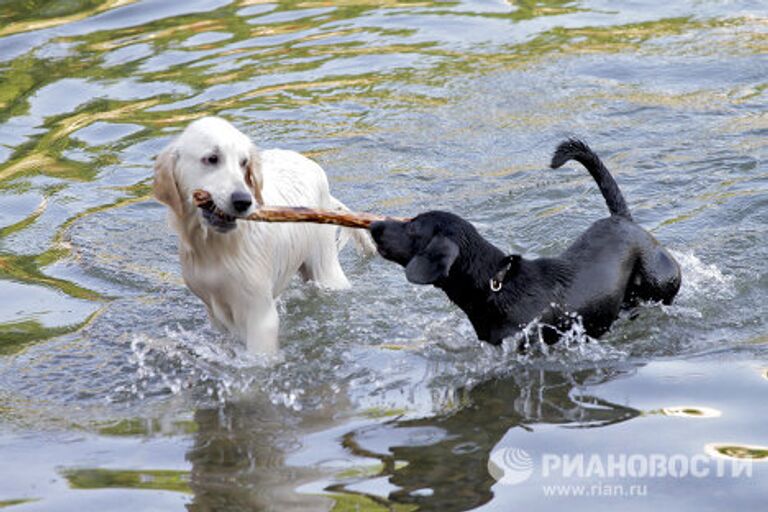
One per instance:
(436, 359)
(702, 279)
(181, 360)
(575, 346)
(419, 380)
(454, 371)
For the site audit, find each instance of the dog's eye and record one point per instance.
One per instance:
(243, 162)
(211, 159)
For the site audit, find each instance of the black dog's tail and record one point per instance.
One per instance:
(574, 149)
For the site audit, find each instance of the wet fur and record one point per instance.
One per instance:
(613, 265)
(238, 268)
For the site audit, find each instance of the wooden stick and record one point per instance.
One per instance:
(203, 200)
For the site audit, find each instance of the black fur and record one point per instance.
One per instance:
(613, 265)
(574, 149)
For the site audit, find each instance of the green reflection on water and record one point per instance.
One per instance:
(739, 451)
(363, 503)
(155, 479)
(360, 472)
(10, 503)
(38, 14)
(28, 269)
(146, 427)
(688, 411)
(15, 336)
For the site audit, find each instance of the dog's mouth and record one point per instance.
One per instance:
(216, 218)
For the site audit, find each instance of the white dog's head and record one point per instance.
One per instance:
(212, 155)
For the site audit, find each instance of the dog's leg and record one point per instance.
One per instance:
(322, 265)
(262, 325)
(658, 278)
(216, 320)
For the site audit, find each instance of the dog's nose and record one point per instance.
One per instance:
(241, 201)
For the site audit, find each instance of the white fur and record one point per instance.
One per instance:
(238, 274)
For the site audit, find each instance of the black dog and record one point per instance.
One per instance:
(614, 265)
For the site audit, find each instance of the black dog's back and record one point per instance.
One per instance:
(574, 149)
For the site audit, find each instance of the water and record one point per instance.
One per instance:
(115, 393)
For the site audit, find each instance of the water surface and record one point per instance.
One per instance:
(115, 393)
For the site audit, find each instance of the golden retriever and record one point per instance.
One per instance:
(238, 269)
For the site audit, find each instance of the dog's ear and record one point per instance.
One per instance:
(433, 262)
(507, 268)
(165, 186)
(253, 176)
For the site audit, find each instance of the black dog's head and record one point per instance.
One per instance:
(444, 250)
(427, 246)
(432, 244)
